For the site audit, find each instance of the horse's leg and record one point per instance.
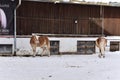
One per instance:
(99, 53)
(103, 52)
(48, 49)
(48, 52)
(44, 49)
(34, 50)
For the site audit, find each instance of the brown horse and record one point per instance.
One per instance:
(42, 42)
(101, 43)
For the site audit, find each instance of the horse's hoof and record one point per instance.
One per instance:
(33, 55)
(103, 56)
(41, 55)
(99, 56)
(48, 55)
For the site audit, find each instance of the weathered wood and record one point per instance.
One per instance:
(50, 18)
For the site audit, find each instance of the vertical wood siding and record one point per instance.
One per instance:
(63, 18)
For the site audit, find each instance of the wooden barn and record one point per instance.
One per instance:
(67, 18)
(69, 21)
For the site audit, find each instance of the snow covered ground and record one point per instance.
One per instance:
(64, 67)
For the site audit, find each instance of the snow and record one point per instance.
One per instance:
(96, 0)
(61, 67)
(107, 1)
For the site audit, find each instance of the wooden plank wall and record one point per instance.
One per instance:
(112, 20)
(64, 18)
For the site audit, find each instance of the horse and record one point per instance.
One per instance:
(101, 43)
(40, 41)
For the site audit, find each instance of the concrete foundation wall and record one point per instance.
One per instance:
(65, 45)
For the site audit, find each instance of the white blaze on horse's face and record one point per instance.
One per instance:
(3, 19)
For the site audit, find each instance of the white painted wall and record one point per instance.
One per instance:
(7, 41)
(66, 44)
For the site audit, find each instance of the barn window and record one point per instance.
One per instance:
(6, 49)
(54, 47)
(85, 47)
(114, 46)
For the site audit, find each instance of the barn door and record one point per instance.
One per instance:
(85, 47)
(54, 47)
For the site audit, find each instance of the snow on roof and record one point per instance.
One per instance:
(89, 2)
(106, 1)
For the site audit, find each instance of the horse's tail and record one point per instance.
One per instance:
(97, 43)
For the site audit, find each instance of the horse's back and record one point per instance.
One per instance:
(43, 40)
(101, 41)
